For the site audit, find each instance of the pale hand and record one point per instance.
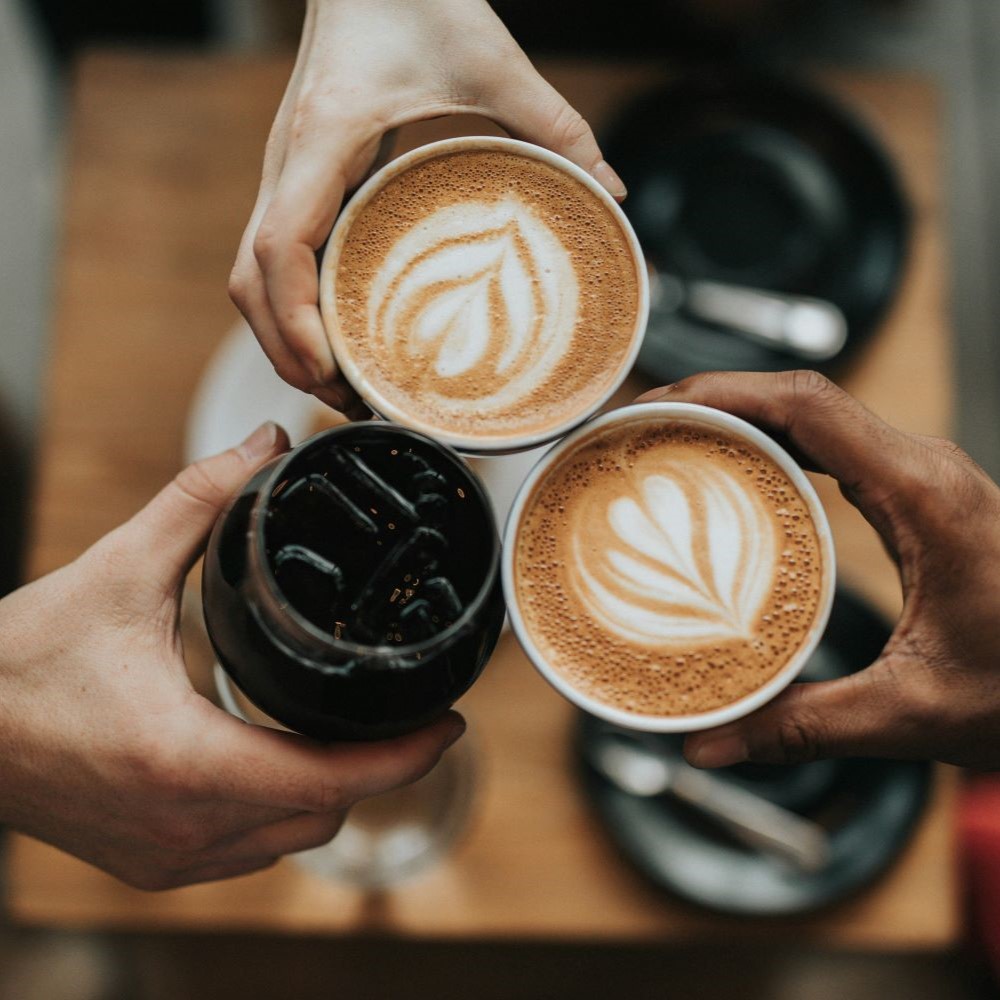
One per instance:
(364, 68)
(107, 752)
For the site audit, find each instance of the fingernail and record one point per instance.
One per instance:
(716, 751)
(654, 395)
(609, 180)
(261, 443)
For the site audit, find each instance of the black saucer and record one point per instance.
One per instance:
(869, 807)
(752, 180)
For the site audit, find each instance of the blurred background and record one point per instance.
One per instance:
(954, 43)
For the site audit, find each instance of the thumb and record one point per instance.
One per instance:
(854, 716)
(530, 108)
(169, 533)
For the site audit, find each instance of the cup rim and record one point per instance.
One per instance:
(711, 417)
(377, 655)
(377, 401)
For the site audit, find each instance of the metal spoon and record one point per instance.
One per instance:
(629, 764)
(809, 328)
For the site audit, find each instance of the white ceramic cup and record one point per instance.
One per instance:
(378, 400)
(735, 427)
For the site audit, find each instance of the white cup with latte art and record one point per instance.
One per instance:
(485, 291)
(668, 567)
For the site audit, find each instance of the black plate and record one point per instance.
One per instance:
(869, 807)
(764, 182)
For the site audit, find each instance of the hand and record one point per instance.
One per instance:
(364, 68)
(935, 690)
(107, 752)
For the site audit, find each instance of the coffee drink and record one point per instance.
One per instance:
(667, 567)
(351, 590)
(484, 291)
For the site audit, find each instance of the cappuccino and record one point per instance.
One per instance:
(484, 291)
(667, 567)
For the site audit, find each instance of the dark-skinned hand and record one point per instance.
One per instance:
(934, 692)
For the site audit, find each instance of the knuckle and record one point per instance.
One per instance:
(327, 797)
(793, 741)
(808, 387)
(569, 128)
(266, 244)
(199, 482)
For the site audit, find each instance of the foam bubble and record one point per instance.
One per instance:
(667, 587)
(487, 293)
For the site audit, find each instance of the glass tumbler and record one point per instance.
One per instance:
(351, 591)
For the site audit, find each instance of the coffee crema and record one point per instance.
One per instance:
(485, 293)
(667, 568)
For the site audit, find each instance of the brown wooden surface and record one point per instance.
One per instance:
(163, 167)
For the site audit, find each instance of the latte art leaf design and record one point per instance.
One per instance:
(686, 555)
(478, 304)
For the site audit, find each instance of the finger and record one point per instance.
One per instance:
(530, 108)
(246, 289)
(169, 533)
(213, 823)
(216, 871)
(277, 141)
(353, 408)
(662, 394)
(297, 222)
(246, 283)
(856, 716)
(875, 464)
(265, 767)
(298, 833)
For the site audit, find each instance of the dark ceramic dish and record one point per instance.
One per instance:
(763, 182)
(869, 807)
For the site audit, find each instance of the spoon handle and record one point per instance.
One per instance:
(753, 820)
(810, 328)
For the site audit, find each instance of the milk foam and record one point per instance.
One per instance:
(667, 568)
(477, 289)
(485, 293)
(685, 554)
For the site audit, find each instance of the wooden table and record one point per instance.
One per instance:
(163, 168)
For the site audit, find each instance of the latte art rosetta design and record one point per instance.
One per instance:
(683, 554)
(479, 302)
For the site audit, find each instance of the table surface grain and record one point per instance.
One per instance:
(162, 169)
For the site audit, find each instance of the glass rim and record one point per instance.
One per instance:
(277, 602)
